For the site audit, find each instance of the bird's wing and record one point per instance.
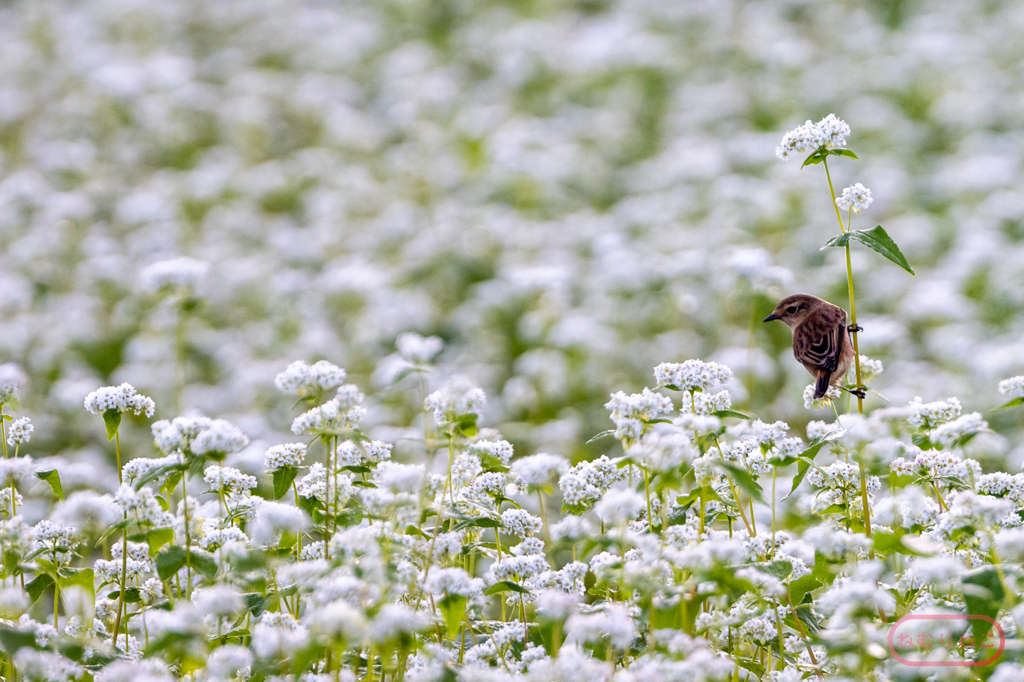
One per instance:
(819, 342)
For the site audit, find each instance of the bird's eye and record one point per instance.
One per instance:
(791, 309)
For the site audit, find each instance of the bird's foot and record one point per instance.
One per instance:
(854, 328)
(859, 392)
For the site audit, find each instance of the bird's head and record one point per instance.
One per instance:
(794, 309)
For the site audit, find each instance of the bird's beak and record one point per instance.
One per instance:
(771, 317)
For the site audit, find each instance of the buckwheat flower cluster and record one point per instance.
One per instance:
(303, 380)
(11, 378)
(629, 413)
(856, 197)
(960, 429)
(706, 403)
(418, 350)
(284, 455)
(457, 400)
(228, 479)
(219, 438)
(662, 452)
(1012, 387)
(870, 369)
(540, 469)
(930, 415)
(500, 450)
(20, 431)
(453, 581)
(520, 522)
(811, 403)
(1001, 484)
(586, 482)
(619, 506)
(338, 415)
(830, 132)
(183, 273)
(691, 375)
(121, 398)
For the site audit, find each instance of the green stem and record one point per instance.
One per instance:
(647, 491)
(849, 282)
(124, 558)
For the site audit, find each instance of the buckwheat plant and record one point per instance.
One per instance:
(669, 556)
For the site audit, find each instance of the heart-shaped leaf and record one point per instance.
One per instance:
(876, 239)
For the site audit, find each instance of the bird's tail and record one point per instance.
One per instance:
(821, 385)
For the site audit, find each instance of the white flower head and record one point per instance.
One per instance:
(418, 350)
(856, 197)
(121, 398)
(1012, 387)
(11, 379)
(459, 399)
(303, 380)
(174, 273)
(20, 431)
(830, 132)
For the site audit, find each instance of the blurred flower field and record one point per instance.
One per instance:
(566, 193)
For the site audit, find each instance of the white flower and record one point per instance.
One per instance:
(870, 369)
(122, 398)
(418, 350)
(500, 450)
(856, 196)
(274, 518)
(218, 600)
(284, 455)
(541, 468)
(630, 412)
(399, 478)
(453, 581)
(620, 506)
(337, 620)
(219, 437)
(184, 273)
(811, 403)
(11, 378)
(930, 415)
(456, 401)
(691, 375)
(829, 132)
(20, 431)
(953, 432)
(520, 522)
(1012, 387)
(587, 481)
(706, 403)
(227, 660)
(331, 418)
(301, 379)
(228, 479)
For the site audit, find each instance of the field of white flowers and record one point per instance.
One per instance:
(386, 317)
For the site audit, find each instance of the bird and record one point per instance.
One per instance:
(821, 339)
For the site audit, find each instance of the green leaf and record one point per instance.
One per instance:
(807, 458)
(848, 153)
(255, 603)
(204, 563)
(603, 434)
(817, 157)
(52, 477)
(39, 585)
(453, 607)
(83, 577)
(482, 522)
(169, 561)
(722, 414)
(801, 586)
(112, 419)
(283, 478)
(13, 640)
(983, 593)
(744, 480)
(779, 568)
(157, 538)
(157, 472)
(1013, 403)
(505, 586)
(876, 239)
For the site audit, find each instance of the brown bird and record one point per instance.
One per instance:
(821, 340)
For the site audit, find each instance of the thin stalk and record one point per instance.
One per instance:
(650, 516)
(124, 558)
(188, 537)
(739, 505)
(775, 473)
(849, 282)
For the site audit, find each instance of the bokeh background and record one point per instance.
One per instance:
(567, 192)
